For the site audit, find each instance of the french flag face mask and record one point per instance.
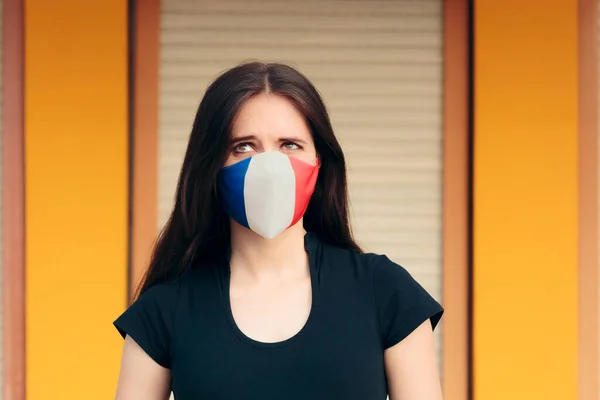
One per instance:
(268, 192)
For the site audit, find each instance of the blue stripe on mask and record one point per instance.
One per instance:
(231, 190)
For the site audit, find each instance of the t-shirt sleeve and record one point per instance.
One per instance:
(402, 303)
(149, 321)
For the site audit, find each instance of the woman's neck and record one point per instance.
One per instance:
(254, 257)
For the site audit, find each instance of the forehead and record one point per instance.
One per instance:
(266, 115)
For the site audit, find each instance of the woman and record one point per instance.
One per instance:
(256, 288)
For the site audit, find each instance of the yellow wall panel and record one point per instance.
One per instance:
(76, 195)
(525, 199)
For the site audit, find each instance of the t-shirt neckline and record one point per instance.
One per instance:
(310, 244)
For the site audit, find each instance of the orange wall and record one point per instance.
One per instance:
(76, 195)
(525, 200)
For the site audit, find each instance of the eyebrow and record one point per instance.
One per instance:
(293, 139)
(253, 137)
(242, 139)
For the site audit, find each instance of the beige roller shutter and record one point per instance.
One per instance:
(378, 65)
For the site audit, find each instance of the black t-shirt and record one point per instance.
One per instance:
(362, 304)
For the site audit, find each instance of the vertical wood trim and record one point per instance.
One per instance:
(146, 44)
(588, 200)
(456, 201)
(13, 200)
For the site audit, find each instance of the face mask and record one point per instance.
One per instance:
(268, 192)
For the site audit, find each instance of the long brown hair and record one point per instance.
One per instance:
(197, 231)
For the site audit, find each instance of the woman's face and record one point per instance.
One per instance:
(269, 122)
